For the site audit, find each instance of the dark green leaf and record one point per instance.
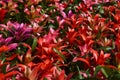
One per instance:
(59, 53)
(97, 69)
(34, 44)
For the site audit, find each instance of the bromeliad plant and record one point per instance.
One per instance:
(59, 40)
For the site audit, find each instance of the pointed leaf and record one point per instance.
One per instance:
(34, 44)
(104, 72)
(13, 46)
(97, 69)
(70, 76)
(61, 76)
(26, 45)
(81, 59)
(10, 74)
(95, 54)
(33, 75)
(12, 57)
(3, 49)
(59, 53)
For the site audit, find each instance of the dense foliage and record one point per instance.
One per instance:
(59, 40)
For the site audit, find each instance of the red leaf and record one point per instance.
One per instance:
(73, 36)
(61, 76)
(11, 57)
(33, 75)
(23, 67)
(3, 12)
(23, 78)
(111, 66)
(10, 74)
(3, 49)
(69, 76)
(101, 54)
(28, 56)
(28, 53)
(83, 37)
(2, 76)
(81, 59)
(102, 57)
(95, 54)
(79, 21)
(26, 45)
(90, 42)
(118, 57)
(106, 56)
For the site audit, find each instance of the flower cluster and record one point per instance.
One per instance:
(59, 40)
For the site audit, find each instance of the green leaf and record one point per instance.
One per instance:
(108, 48)
(108, 70)
(3, 60)
(90, 78)
(45, 79)
(77, 1)
(104, 72)
(101, 10)
(59, 53)
(98, 68)
(4, 69)
(13, 78)
(115, 77)
(80, 76)
(34, 44)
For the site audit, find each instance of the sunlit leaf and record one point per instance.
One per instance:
(34, 44)
(104, 72)
(81, 59)
(59, 53)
